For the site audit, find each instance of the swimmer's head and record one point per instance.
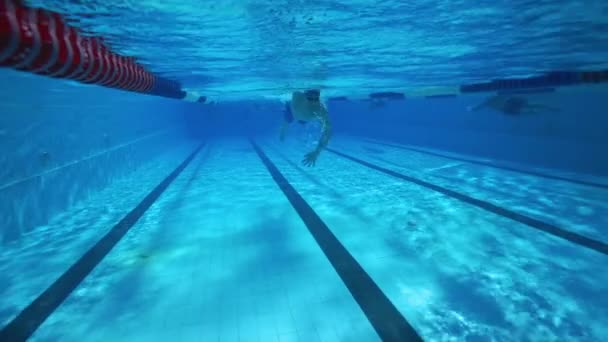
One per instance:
(313, 95)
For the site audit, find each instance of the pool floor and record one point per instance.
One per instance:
(225, 255)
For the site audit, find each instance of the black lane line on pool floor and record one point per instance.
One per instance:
(575, 238)
(28, 320)
(496, 166)
(388, 322)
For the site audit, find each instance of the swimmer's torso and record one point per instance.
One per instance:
(507, 104)
(303, 109)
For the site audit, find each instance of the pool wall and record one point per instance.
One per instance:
(573, 139)
(61, 140)
(238, 118)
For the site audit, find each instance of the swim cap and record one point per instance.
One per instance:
(313, 94)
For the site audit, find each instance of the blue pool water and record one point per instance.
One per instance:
(131, 217)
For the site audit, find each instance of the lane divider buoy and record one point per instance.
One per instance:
(41, 42)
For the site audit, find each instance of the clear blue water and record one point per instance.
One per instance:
(266, 48)
(474, 225)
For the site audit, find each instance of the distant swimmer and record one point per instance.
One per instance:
(305, 107)
(513, 105)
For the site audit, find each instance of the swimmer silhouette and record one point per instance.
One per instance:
(45, 158)
(305, 107)
(513, 105)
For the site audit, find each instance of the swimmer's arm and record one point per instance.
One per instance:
(537, 108)
(477, 107)
(325, 132)
(488, 102)
(311, 157)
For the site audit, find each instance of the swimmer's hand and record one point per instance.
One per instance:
(311, 158)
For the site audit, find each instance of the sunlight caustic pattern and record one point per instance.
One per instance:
(223, 256)
(265, 48)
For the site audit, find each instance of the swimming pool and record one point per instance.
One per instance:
(224, 254)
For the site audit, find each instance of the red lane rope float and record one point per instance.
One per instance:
(39, 41)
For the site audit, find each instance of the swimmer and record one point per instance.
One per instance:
(512, 105)
(305, 107)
